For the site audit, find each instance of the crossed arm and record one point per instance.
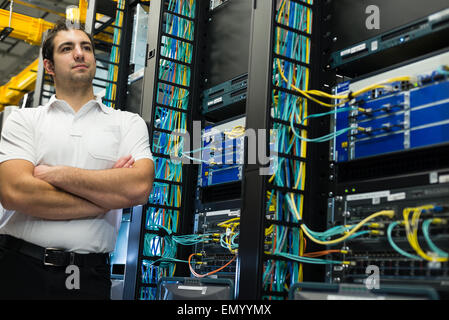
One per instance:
(61, 193)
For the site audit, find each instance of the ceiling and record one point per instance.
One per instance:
(16, 55)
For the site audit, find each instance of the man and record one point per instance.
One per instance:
(65, 170)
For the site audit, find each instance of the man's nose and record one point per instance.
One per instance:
(78, 53)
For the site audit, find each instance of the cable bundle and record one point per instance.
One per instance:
(290, 171)
(111, 89)
(411, 228)
(290, 97)
(169, 127)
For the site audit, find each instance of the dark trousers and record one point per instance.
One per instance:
(23, 277)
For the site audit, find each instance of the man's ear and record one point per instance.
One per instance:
(49, 67)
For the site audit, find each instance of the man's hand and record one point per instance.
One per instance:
(113, 188)
(20, 190)
(43, 172)
(124, 162)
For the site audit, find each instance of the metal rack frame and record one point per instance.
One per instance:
(148, 110)
(253, 221)
(254, 186)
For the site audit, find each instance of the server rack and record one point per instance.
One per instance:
(263, 55)
(408, 179)
(155, 101)
(324, 182)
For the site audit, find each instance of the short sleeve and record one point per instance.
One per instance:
(135, 139)
(17, 138)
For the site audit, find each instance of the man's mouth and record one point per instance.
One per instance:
(80, 66)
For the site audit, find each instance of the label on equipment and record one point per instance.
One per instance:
(353, 50)
(433, 177)
(444, 179)
(369, 195)
(396, 196)
(343, 87)
(358, 48)
(345, 52)
(223, 212)
(215, 101)
(439, 15)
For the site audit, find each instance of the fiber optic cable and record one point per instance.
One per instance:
(288, 173)
(387, 213)
(211, 272)
(170, 94)
(394, 246)
(114, 57)
(426, 224)
(412, 232)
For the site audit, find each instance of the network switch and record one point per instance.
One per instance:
(395, 116)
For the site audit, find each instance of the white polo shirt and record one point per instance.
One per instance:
(93, 138)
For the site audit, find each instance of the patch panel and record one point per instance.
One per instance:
(387, 242)
(237, 83)
(330, 291)
(207, 221)
(222, 153)
(211, 262)
(392, 46)
(217, 253)
(395, 117)
(225, 98)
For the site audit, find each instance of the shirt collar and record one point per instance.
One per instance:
(97, 101)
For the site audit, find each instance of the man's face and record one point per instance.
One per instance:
(74, 60)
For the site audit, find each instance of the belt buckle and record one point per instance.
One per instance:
(46, 254)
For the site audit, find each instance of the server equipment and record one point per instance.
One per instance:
(389, 209)
(370, 35)
(326, 291)
(178, 288)
(350, 175)
(222, 153)
(394, 111)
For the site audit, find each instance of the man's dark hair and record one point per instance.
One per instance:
(61, 25)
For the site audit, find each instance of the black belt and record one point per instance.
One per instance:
(53, 256)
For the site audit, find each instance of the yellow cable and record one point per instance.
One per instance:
(388, 213)
(381, 85)
(412, 232)
(304, 93)
(303, 146)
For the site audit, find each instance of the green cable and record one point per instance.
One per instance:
(429, 241)
(307, 259)
(395, 247)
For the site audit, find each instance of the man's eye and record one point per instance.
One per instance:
(65, 49)
(87, 48)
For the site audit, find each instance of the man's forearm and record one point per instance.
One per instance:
(40, 199)
(112, 188)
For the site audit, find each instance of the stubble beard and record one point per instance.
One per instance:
(82, 78)
(75, 81)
